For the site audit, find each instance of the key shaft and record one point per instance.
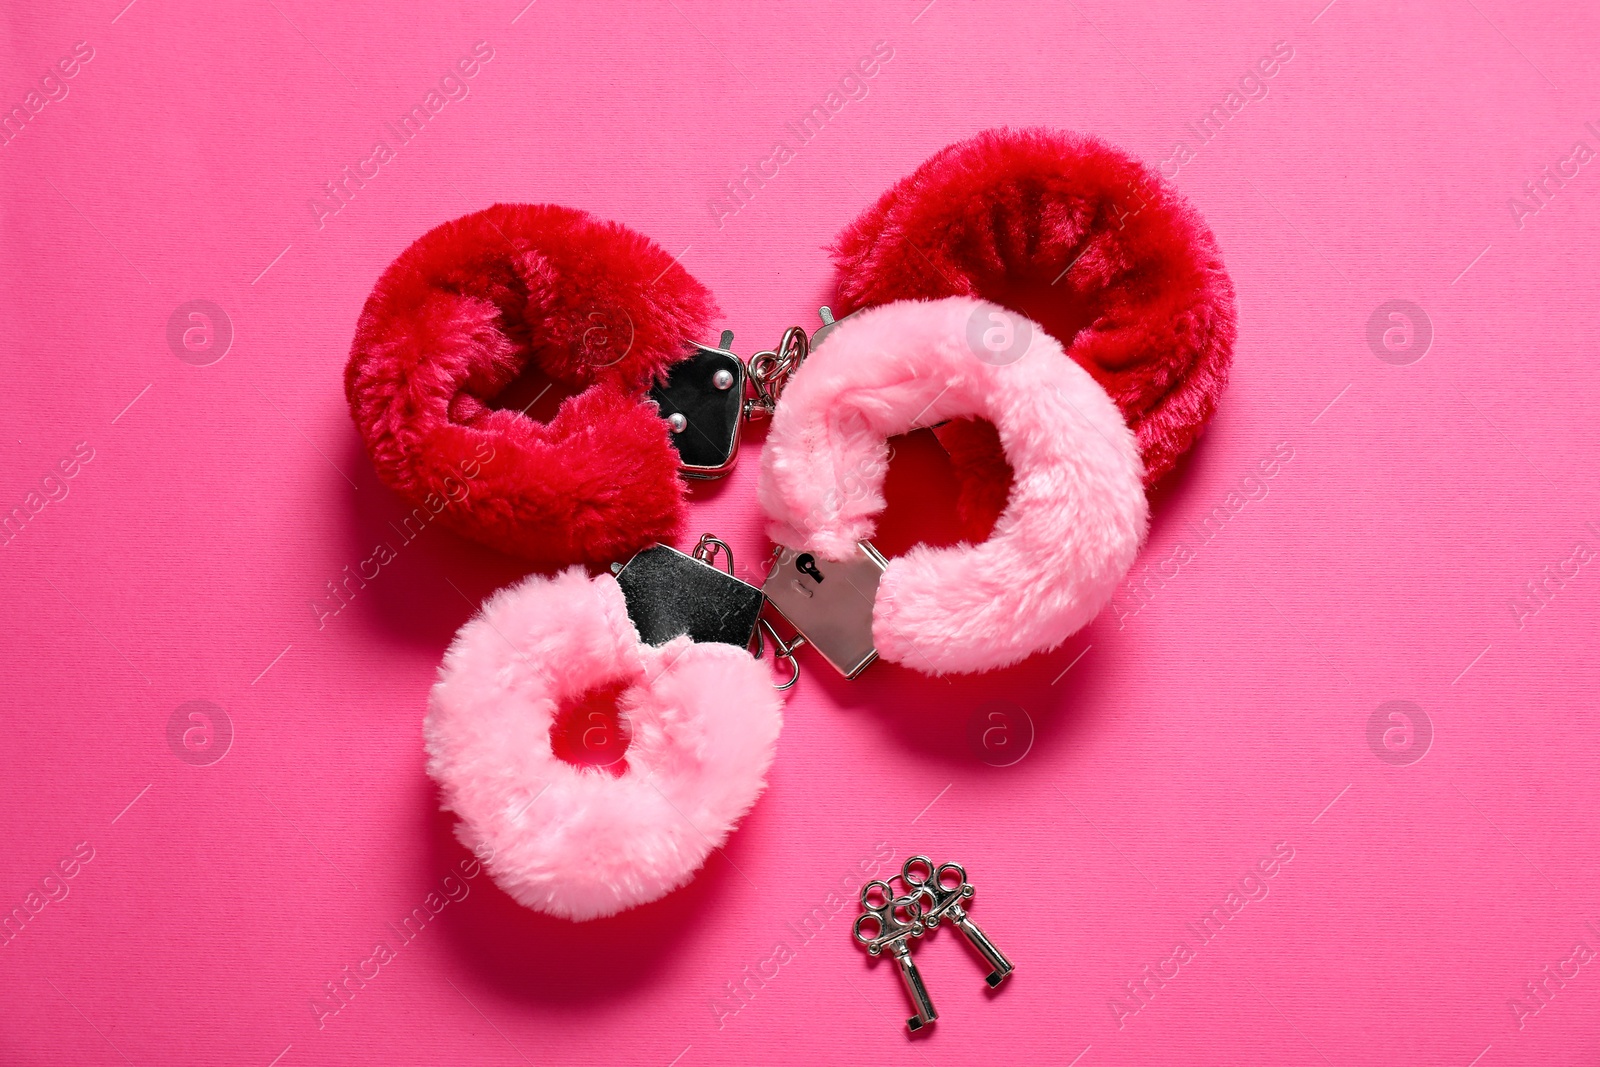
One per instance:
(1001, 967)
(912, 978)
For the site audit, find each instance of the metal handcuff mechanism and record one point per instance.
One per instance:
(703, 402)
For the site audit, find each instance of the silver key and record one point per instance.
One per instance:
(884, 910)
(944, 899)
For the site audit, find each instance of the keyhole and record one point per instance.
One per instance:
(806, 564)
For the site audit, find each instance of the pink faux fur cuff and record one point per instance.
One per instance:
(1077, 511)
(581, 842)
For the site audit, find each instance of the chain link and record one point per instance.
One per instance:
(770, 371)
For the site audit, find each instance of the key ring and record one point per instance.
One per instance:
(941, 898)
(781, 651)
(706, 552)
(770, 371)
(890, 927)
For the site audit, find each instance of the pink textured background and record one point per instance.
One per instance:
(1227, 715)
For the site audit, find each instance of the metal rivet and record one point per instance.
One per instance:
(677, 422)
(723, 379)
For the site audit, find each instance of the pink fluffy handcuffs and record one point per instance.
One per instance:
(579, 842)
(1077, 511)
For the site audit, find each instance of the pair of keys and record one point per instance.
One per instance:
(933, 894)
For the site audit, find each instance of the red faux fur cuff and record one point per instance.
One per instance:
(460, 314)
(1080, 238)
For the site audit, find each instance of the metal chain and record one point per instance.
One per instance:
(770, 371)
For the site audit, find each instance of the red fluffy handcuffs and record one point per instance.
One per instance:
(1061, 228)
